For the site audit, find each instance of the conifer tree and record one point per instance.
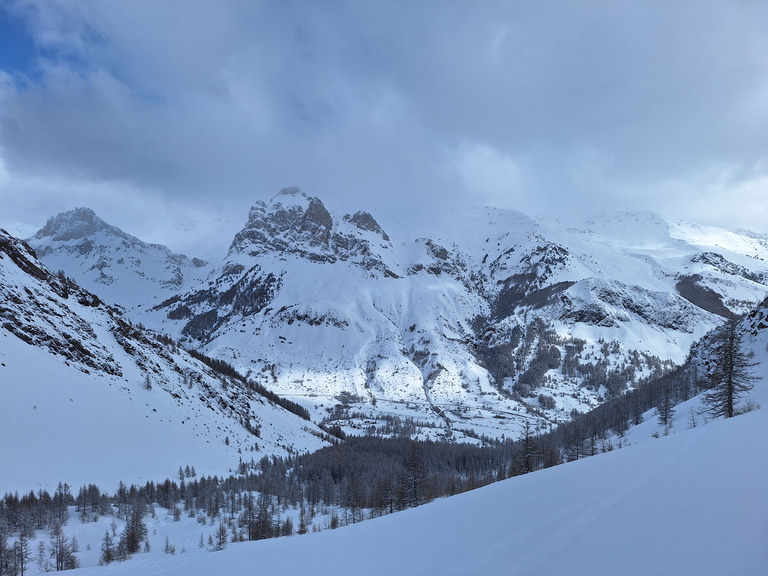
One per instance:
(107, 549)
(22, 554)
(135, 529)
(732, 376)
(5, 551)
(62, 550)
(221, 536)
(665, 408)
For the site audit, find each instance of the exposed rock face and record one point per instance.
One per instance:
(365, 221)
(317, 223)
(294, 223)
(37, 309)
(291, 223)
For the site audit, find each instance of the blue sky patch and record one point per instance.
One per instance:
(17, 49)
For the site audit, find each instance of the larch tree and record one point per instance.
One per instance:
(732, 375)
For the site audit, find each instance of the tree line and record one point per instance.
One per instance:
(227, 369)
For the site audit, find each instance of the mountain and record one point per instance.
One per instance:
(90, 397)
(467, 327)
(119, 267)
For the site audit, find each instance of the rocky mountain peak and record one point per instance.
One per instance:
(301, 225)
(74, 225)
(292, 222)
(364, 221)
(317, 221)
(117, 266)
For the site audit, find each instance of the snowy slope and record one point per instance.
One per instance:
(692, 503)
(450, 325)
(88, 397)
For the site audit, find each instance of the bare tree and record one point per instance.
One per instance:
(62, 549)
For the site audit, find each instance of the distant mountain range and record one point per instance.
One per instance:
(458, 332)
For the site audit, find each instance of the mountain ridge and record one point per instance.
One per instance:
(493, 316)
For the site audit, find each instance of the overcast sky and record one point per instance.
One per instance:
(171, 118)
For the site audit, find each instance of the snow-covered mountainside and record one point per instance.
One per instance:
(467, 328)
(122, 269)
(690, 502)
(90, 397)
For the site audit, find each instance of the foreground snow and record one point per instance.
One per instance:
(690, 503)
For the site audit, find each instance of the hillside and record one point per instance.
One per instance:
(685, 498)
(90, 397)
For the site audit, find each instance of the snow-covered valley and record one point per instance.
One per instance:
(90, 398)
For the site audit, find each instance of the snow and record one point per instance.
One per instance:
(59, 424)
(64, 421)
(689, 503)
(118, 267)
(692, 503)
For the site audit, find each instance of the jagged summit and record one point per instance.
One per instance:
(293, 223)
(364, 221)
(76, 224)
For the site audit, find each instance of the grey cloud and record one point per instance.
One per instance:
(386, 105)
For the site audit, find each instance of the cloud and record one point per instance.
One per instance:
(490, 175)
(388, 107)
